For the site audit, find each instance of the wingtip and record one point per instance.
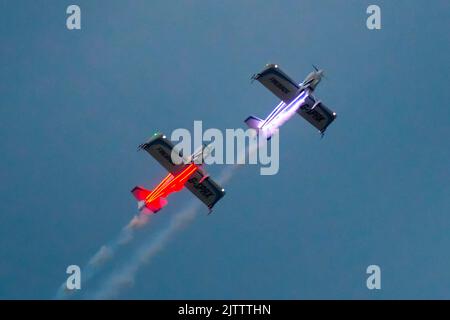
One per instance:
(141, 146)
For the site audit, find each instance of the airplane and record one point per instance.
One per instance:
(188, 173)
(295, 98)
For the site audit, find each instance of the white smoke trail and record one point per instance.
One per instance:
(107, 252)
(124, 277)
(104, 254)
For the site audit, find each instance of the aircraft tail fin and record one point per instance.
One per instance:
(253, 122)
(140, 193)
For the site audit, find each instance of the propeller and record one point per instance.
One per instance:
(317, 70)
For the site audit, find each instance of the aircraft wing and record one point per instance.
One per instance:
(278, 82)
(160, 148)
(204, 188)
(316, 113)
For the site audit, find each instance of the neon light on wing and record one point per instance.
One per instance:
(281, 114)
(172, 183)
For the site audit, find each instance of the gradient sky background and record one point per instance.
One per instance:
(75, 105)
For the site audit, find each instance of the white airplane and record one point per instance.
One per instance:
(295, 98)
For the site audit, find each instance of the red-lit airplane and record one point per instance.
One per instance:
(188, 174)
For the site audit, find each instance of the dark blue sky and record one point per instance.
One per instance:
(75, 104)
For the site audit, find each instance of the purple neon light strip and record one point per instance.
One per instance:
(281, 115)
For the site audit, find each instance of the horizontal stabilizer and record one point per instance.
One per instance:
(253, 122)
(140, 193)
